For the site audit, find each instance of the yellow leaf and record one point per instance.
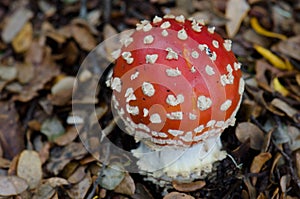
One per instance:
(272, 58)
(22, 41)
(279, 87)
(260, 30)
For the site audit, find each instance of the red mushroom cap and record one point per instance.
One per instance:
(176, 82)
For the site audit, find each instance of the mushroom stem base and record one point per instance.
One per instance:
(181, 164)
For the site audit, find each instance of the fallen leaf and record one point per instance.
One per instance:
(111, 176)
(78, 175)
(52, 128)
(30, 168)
(44, 191)
(279, 87)
(260, 30)
(287, 109)
(11, 135)
(284, 183)
(289, 47)
(247, 130)
(236, 10)
(142, 192)
(80, 190)
(15, 23)
(12, 185)
(297, 157)
(8, 73)
(83, 37)
(68, 137)
(187, 187)
(126, 186)
(57, 181)
(62, 91)
(22, 41)
(25, 73)
(258, 162)
(177, 195)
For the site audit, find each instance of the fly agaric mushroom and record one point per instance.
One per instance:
(176, 86)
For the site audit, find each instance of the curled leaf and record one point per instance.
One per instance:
(260, 30)
(272, 58)
(279, 87)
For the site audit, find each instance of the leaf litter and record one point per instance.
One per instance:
(41, 153)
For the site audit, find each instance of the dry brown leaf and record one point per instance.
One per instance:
(8, 73)
(287, 109)
(15, 23)
(25, 73)
(289, 47)
(11, 135)
(258, 162)
(284, 183)
(12, 185)
(69, 136)
(142, 192)
(30, 168)
(177, 195)
(57, 181)
(22, 41)
(83, 37)
(79, 190)
(236, 10)
(187, 187)
(127, 186)
(247, 130)
(297, 158)
(62, 91)
(78, 175)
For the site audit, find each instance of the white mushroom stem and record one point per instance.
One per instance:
(180, 164)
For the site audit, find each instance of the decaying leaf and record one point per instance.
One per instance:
(258, 162)
(11, 135)
(112, 176)
(12, 185)
(80, 190)
(236, 10)
(177, 195)
(247, 130)
(287, 109)
(289, 47)
(15, 23)
(52, 128)
(188, 187)
(68, 137)
(126, 186)
(44, 191)
(62, 91)
(83, 37)
(30, 168)
(297, 157)
(78, 175)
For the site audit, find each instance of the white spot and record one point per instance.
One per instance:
(192, 116)
(126, 41)
(129, 95)
(193, 69)
(158, 141)
(146, 112)
(220, 124)
(151, 59)
(144, 127)
(211, 29)
(237, 65)
(215, 43)
(210, 123)
(148, 89)
(195, 54)
(134, 75)
(169, 16)
(196, 27)
(175, 132)
(225, 106)
(133, 110)
(174, 101)
(171, 72)
(241, 86)
(199, 129)
(227, 44)
(154, 133)
(202, 47)
(188, 137)
(147, 27)
(155, 118)
(162, 134)
(116, 54)
(165, 25)
(201, 21)
(180, 18)
(148, 39)
(116, 84)
(157, 19)
(209, 70)
(213, 57)
(164, 33)
(229, 68)
(175, 115)
(227, 79)
(204, 103)
(182, 35)
(171, 54)
(127, 57)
